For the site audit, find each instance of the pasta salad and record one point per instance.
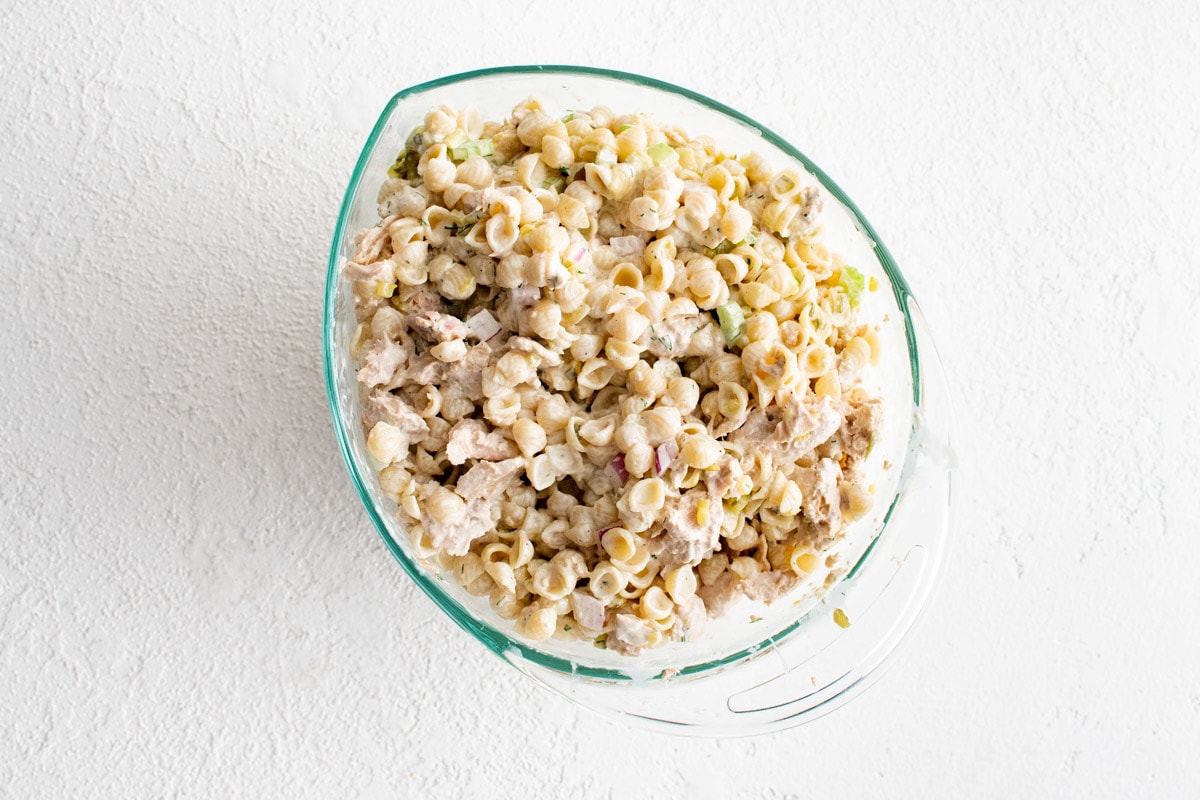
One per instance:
(612, 376)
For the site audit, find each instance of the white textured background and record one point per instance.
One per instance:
(191, 599)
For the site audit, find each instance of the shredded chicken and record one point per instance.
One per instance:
(372, 241)
(767, 587)
(723, 476)
(755, 432)
(394, 410)
(822, 499)
(787, 432)
(691, 529)
(487, 480)
(719, 595)
(471, 438)
(380, 363)
(858, 430)
(804, 425)
(424, 298)
(434, 326)
(690, 617)
(587, 610)
(380, 271)
(465, 378)
(629, 635)
(422, 370)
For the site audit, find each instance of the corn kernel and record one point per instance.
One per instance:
(702, 512)
(806, 562)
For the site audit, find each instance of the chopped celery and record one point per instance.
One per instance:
(662, 153)
(724, 247)
(473, 147)
(733, 321)
(853, 282)
(405, 165)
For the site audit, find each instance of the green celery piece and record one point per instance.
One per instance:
(733, 321)
(662, 153)
(853, 282)
(721, 249)
(473, 147)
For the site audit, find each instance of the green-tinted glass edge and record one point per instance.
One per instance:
(498, 642)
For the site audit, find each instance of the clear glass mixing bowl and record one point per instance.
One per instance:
(758, 668)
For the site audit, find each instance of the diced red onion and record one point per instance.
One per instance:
(626, 246)
(483, 325)
(664, 454)
(525, 295)
(577, 251)
(618, 466)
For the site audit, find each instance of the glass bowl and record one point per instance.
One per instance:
(758, 668)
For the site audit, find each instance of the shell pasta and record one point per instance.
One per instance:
(612, 376)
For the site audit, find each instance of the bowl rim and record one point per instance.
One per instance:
(497, 641)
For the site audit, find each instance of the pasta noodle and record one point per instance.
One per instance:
(612, 376)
